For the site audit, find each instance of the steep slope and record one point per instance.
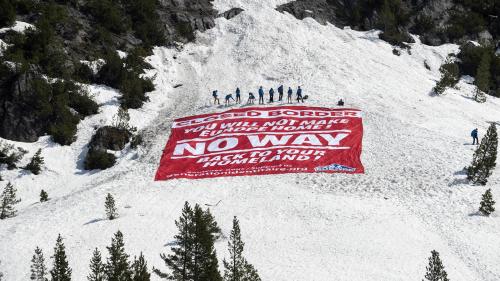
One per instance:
(377, 226)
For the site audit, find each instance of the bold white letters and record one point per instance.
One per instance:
(333, 141)
(181, 147)
(274, 140)
(306, 139)
(227, 144)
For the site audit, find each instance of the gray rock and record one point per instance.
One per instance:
(18, 121)
(111, 138)
(229, 14)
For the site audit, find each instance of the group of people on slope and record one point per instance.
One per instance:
(251, 97)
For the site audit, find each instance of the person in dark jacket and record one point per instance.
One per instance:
(289, 96)
(228, 98)
(251, 98)
(261, 95)
(474, 135)
(216, 99)
(271, 95)
(341, 102)
(238, 96)
(280, 92)
(299, 95)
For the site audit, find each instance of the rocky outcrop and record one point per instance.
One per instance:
(428, 18)
(231, 13)
(182, 18)
(322, 11)
(18, 119)
(111, 138)
(105, 138)
(79, 39)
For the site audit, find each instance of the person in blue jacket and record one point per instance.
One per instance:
(216, 99)
(238, 96)
(228, 97)
(299, 95)
(271, 95)
(475, 139)
(251, 98)
(280, 92)
(261, 95)
(289, 96)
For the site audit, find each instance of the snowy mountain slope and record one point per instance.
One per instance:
(377, 226)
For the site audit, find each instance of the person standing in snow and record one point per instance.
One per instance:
(280, 92)
(341, 102)
(271, 95)
(251, 98)
(261, 95)
(474, 135)
(228, 97)
(299, 95)
(238, 96)
(216, 99)
(289, 96)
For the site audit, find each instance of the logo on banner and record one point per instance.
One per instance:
(335, 167)
(260, 141)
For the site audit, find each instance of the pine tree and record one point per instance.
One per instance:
(60, 270)
(484, 158)
(38, 269)
(96, 267)
(117, 267)
(35, 165)
(109, 204)
(140, 269)
(194, 257)
(435, 269)
(449, 76)
(487, 203)
(250, 273)
(237, 268)
(7, 201)
(44, 197)
(206, 232)
(483, 73)
(121, 120)
(388, 18)
(179, 262)
(483, 77)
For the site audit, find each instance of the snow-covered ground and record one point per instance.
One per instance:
(378, 226)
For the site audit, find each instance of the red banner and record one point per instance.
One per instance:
(258, 141)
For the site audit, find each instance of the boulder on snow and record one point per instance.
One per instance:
(105, 138)
(229, 14)
(111, 138)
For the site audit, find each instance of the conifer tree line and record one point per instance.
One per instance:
(192, 258)
(61, 271)
(10, 156)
